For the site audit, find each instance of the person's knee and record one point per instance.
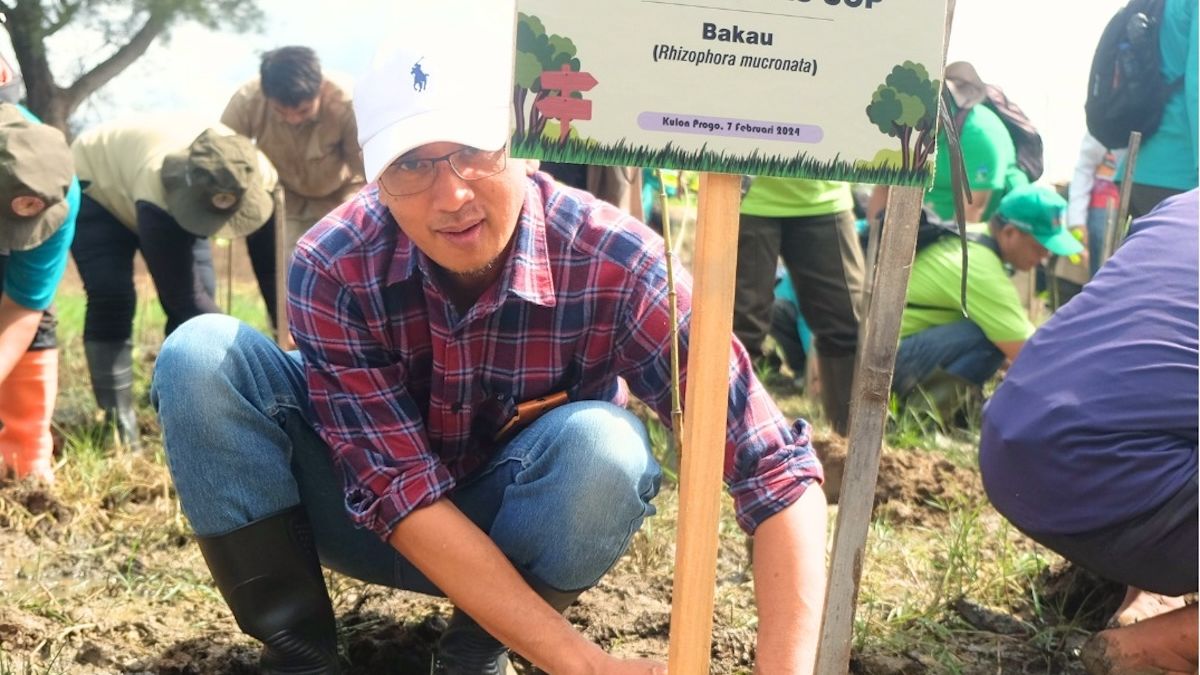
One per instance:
(843, 342)
(607, 478)
(109, 317)
(192, 362)
(610, 455)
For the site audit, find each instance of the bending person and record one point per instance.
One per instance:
(161, 185)
(39, 198)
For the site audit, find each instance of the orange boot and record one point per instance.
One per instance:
(26, 406)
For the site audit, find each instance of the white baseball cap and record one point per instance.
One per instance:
(445, 77)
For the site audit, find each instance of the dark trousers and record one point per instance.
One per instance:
(959, 348)
(179, 262)
(825, 261)
(1156, 551)
(1143, 198)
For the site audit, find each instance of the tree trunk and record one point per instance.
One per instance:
(519, 94)
(24, 27)
(537, 123)
(922, 150)
(54, 104)
(904, 133)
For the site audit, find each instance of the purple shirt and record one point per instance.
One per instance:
(398, 377)
(1096, 421)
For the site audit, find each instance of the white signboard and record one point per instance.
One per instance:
(836, 89)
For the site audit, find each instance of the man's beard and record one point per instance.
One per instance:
(479, 273)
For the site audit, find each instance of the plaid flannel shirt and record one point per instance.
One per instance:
(397, 376)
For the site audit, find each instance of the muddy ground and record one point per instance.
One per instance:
(107, 580)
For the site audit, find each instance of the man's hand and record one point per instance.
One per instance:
(474, 574)
(1080, 233)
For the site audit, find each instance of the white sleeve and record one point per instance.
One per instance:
(1091, 154)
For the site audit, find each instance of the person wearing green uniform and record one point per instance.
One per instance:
(810, 224)
(943, 355)
(989, 163)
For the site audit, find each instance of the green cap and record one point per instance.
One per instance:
(1039, 211)
(215, 185)
(36, 171)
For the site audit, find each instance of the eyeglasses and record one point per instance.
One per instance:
(409, 176)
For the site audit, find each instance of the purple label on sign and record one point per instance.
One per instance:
(730, 126)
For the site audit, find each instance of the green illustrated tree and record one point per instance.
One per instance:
(906, 105)
(129, 27)
(537, 53)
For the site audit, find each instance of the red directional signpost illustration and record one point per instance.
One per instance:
(562, 107)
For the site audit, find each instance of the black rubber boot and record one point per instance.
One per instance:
(110, 365)
(467, 649)
(270, 577)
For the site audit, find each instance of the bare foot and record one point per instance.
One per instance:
(1161, 644)
(1140, 605)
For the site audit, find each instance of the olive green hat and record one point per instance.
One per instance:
(36, 171)
(216, 185)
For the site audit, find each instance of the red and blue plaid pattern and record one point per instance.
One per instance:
(398, 377)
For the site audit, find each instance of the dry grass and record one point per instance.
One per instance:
(99, 575)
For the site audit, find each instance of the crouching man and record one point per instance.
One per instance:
(1089, 445)
(453, 421)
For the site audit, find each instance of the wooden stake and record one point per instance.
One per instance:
(868, 414)
(283, 253)
(705, 410)
(1116, 234)
(229, 276)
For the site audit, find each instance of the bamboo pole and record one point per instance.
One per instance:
(706, 403)
(868, 414)
(672, 300)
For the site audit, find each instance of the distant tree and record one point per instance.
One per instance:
(129, 27)
(906, 103)
(537, 53)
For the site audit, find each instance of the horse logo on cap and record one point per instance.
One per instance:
(420, 77)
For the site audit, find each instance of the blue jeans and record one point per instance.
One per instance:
(959, 348)
(1097, 228)
(562, 499)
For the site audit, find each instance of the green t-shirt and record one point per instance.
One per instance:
(989, 159)
(788, 197)
(934, 292)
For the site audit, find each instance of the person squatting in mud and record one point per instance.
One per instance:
(1089, 444)
(394, 447)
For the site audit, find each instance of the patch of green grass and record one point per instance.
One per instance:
(621, 153)
(662, 445)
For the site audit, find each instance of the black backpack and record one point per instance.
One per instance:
(968, 90)
(933, 229)
(1126, 89)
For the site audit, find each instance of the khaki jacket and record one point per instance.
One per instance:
(122, 160)
(317, 161)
